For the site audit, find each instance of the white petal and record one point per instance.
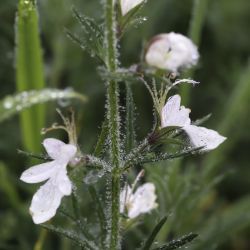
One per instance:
(45, 202)
(203, 137)
(58, 150)
(62, 181)
(173, 114)
(67, 152)
(158, 52)
(53, 147)
(143, 200)
(39, 172)
(127, 5)
(124, 197)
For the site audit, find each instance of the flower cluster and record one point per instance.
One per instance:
(170, 52)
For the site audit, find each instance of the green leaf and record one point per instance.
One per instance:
(14, 104)
(131, 19)
(175, 244)
(80, 241)
(100, 213)
(130, 120)
(29, 66)
(166, 156)
(147, 244)
(99, 148)
(92, 38)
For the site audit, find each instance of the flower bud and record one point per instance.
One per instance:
(171, 51)
(127, 5)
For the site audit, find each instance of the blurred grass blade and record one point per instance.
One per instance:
(175, 244)
(225, 224)
(29, 66)
(8, 188)
(148, 243)
(194, 33)
(236, 109)
(12, 105)
(197, 20)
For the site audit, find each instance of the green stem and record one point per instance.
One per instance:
(114, 124)
(41, 239)
(29, 70)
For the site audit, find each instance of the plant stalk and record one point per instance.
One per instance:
(113, 122)
(29, 70)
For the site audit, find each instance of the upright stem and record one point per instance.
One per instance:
(113, 122)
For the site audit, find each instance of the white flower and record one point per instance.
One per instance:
(48, 197)
(142, 201)
(175, 115)
(171, 51)
(127, 5)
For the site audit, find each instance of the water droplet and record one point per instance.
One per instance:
(8, 103)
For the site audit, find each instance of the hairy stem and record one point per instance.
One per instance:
(113, 124)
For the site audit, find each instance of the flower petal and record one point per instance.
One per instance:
(39, 172)
(173, 114)
(53, 147)
(143, 200)
(67, 153)
(203, 137)
(45, 202)
(125, 195)
(127, 5)
(62, 181)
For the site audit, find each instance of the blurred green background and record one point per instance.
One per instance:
(224, 91)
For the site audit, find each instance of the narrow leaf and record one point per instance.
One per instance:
(72, 236)
(12, 105)
(130, 120)
(175, 244)
(100, 212)
(148, 243)
(91, 39)
(164, 157)
(99, 148)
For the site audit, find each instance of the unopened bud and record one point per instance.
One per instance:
(171, 51)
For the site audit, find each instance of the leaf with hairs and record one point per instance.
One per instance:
(14, 104)
(130, 120)
(86, 244)
(91, 40)
(175, 244)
